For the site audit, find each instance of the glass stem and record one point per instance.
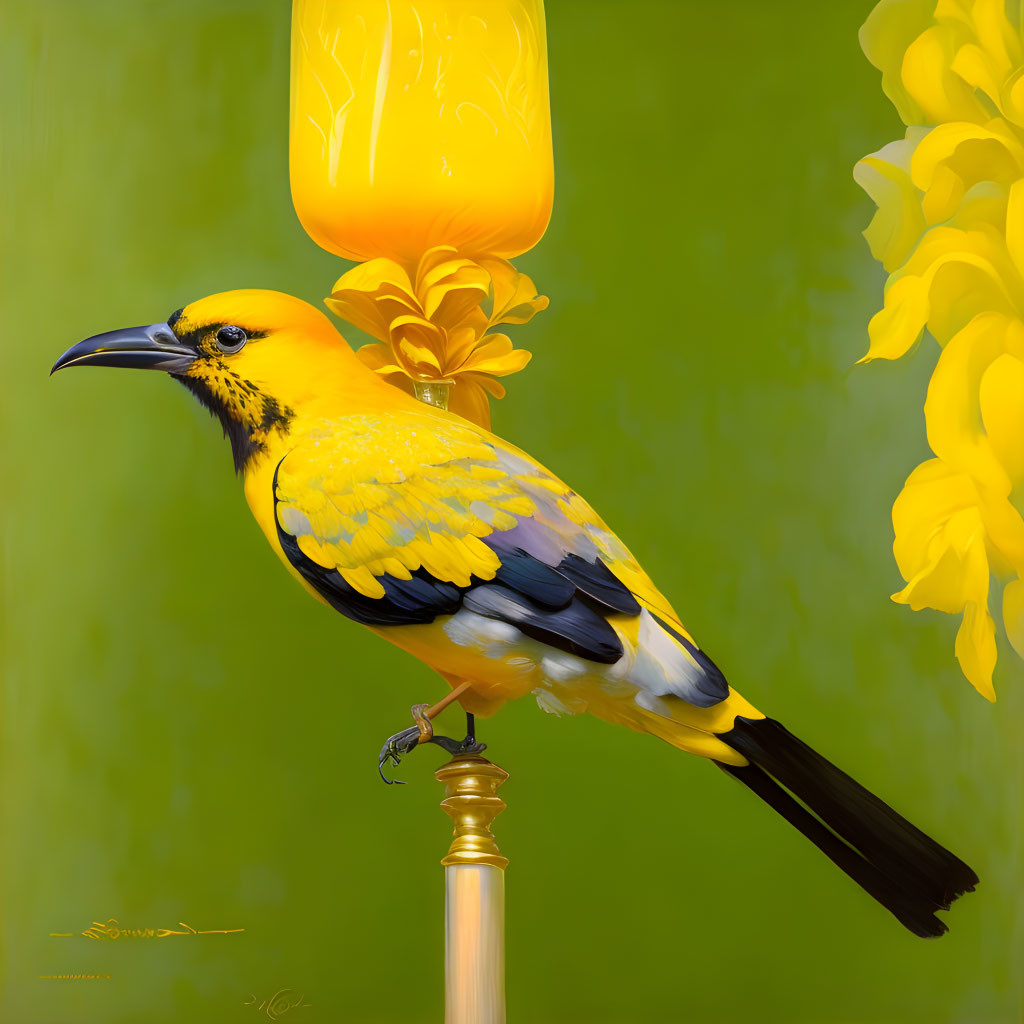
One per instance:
(433, 392)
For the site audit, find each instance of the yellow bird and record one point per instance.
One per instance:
(461, 549)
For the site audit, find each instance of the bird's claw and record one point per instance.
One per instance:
(395, 749)
(407, 740)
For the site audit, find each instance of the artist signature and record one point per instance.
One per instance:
(110, 929)
(279, 1003)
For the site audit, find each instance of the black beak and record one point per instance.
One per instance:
(155, 347)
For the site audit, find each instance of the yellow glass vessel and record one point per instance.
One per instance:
(418, 123)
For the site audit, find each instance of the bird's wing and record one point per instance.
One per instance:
(396, 521)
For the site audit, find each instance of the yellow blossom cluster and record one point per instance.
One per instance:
(950, 232)
(432, 321)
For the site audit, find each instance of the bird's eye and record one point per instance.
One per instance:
(230, 339)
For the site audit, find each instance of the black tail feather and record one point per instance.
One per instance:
(910, 874)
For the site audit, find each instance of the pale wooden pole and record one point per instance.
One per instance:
(474, 893)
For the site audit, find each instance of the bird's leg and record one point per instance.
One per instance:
(468, 745)
(407, 740)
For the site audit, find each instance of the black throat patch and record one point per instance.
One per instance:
(247, 439)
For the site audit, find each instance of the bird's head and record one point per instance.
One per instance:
(254, 358)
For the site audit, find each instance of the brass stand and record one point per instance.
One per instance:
(474, 893)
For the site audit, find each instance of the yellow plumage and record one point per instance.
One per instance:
(382, 485)
(461, 549)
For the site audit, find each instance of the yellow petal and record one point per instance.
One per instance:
(1004, 528)
(884, 37)
(941, 540)
(391, 305)
(492, 346)
(432, 258)
(373, 276)
(522, 312)
(955, 570)
(896, 327)
(411, 322)
(985, 60)
(417, 358)
(417, 341)
(432, 273)
(952, 411)
(999, 40)
(1014, 227)
(494, 387)
(1013, 614)
(461, 342)
(514, 295)
(952, 159)
(932, 497)
(898, 222)
(977, 69)
(960, 284)
(1001, 400)
(927, 75)
(990, 152)
(360, 310)
(944, 195)
(1011, 97)
(497, 356)
(469, 400)
(451, 300)
(375, 356)
(951, 276)
(513, 362)
(976, 648)
(942, 582)
(356, 294)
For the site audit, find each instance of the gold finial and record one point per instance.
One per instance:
(471, 797)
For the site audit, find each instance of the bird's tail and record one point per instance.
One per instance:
(910, 874)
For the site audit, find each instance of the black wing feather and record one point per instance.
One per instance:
(576, 628)
(563, 605)
(596, 581)
(533, 578)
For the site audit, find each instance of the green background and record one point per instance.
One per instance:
(188, 737)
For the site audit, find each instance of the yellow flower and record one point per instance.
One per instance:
(949, 228)
(968, 397)
(952, 159)
(432, 322)
(947, 60)
(950, 231)
(951, 276)
(957, 518)
(940, 550)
